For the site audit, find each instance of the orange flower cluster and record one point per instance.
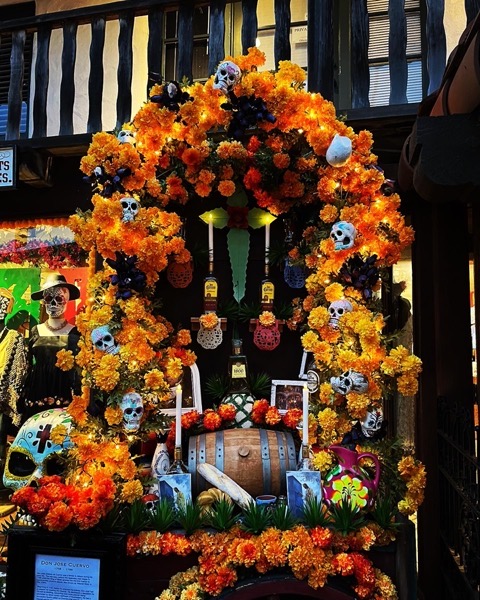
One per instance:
(311, 554)
(264, 414)
(56, 505)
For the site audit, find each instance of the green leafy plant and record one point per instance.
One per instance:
(163, 516)
(221, 515)
(346, 517)
(255, 518)
(259, 384)
(282, 518)
(384, 514)
(315, 513)
(190, 517)
(135, 517)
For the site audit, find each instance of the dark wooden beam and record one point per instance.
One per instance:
(397, 52)
(472, 8)
(320, 55)
(42, 74)
(360, 73)
(185, 48)
(16, 84)
(67, 86)
(125, 68)
(283, 19)
(249, 24)
(95, 80)
(435, 43)
(155, 45)
(216, 40)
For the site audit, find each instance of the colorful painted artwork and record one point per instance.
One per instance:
(302, 486)
(22, 282)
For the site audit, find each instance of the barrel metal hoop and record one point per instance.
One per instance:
(292, 454)
(202, 457)
(281, 457)
(267, 484)
(192, 459)
(219, 455)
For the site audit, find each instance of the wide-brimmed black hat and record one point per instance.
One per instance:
(56, 280)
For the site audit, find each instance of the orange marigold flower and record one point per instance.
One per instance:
(209, 320)
(65, 360)
(113, 415)
(212, 421)
(58, 517)
(226, 188)
(272, 416)
(267, 318)
(228, 412)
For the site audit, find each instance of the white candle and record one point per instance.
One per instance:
(267, 242)
(178, 416)
(305, 416)
(210, 238)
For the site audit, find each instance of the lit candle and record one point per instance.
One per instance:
(210, 238)
(305, 416)
(178, 416)
(267, 242)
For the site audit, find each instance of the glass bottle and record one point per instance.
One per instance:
(237, 368)
(267, 292)
(210, 291)
(177, 467)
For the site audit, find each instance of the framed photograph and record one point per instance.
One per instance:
(287, 394)
(302, 485)
(191, 393)
(176, 488)
(45, 565)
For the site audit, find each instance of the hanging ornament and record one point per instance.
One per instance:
(180, 275)
(266, 338)
(210, 334)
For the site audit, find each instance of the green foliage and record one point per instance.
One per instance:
(163, 516)
(259, 385)
(384, 513)
(221, 515)
(255, 518)
(135, 517)
(114, 519)
(216, 386)
(282, 518)
(190, 517)
(314, 514)
(346, 517)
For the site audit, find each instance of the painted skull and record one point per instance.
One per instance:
(336, 310)
(151, 502)
(132, 408)
(130, 208)
(350, 381)
(55, 300)
(33, 454)
(372, 423)
(104, 341)
(343, 234)
(227, 76)
(125, 136)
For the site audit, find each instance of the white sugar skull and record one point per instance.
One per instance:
(227, 76)
(339, 151)
(130, 208)
(350, 381)
(172, 89)
(55, 300)
(150, 501)
(336, 310)
(132, 408)
(372, 423)
(126, 136)
(33, 454)
(104, 341)
(343, 234)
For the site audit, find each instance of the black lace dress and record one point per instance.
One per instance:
(47, 386)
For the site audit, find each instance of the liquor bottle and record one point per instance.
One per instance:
(210, 293)
(237, 368)
(267, 292)
(178, 466)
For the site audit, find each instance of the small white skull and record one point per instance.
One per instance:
(372, 423)
(55, 300)
(132, 408)
(126, 136)
(350, 381)
(172, 89)
(343, 234)
(151, 502)
(337, 309)
(339, 151)
(104, 341)
(130, 208)
(227, 76)
(33, 454)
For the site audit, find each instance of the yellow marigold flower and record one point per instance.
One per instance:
(267, 318)
(58, 434)
(209, 320)
(65, 360)
(131, 491)
(329, 213)
(113, 415)
(154, 379)
(77, 409)
(322, 461)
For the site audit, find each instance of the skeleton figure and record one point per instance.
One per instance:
(132, 408)
(343, 234)
(130, 208)
(372, 423)
(227, 77)
(104, 341)
(33, 454)
(337, 309)
(55, 300)
(350, 381)
(125, 136)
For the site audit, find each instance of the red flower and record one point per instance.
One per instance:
(237, 217)
(212, 421)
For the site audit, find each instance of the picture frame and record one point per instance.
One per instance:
(43, 564)
(306, 358)
(191, 393)
(287, 394)
(302, 485)
(176, 489)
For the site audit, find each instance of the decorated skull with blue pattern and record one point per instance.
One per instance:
(33, 454)
(343, 235)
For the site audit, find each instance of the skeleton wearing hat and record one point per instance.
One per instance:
(47, 386)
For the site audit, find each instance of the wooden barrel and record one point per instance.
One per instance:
(256, 459)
